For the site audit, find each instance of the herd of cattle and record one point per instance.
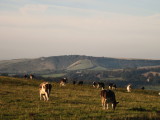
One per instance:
(107, 96)
(31, 76)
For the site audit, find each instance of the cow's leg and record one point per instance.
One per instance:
(103, 103)
(40, 96)
(46, 95)
(44, 98)
(113, 106)
(107, 105)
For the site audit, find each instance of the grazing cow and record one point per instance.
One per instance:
(112, 86)
(94, 84)
(129, 88)
(74, 82)
(63, 82)
(31, 76)
(142, 88)
(100, 85)
(80, 83)
(108, 96)
(25, 76)
(45, 90)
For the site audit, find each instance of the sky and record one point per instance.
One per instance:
(101, 28)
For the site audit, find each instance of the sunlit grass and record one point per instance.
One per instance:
(19, 99)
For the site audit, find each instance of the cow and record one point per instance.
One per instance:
(129, 88)
(25, 76)
(100, 85)
(45, 90)
(159, 93)
(80, 83)
(112, 86)
(142, 88)
(63, 82)
(108, 96)
(31, 76)
(74, 82)
(94, 84)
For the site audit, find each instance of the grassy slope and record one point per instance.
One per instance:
(69, 62)
(81, 64)
(19, 99)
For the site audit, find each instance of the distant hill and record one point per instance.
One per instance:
(72, 62)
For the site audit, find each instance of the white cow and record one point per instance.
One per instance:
(45, 90)
(129, 88)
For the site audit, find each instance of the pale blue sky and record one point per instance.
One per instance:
(109, 28)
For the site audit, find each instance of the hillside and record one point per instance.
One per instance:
(20, 101)
(71, 62)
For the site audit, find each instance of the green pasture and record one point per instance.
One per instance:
(19, 100)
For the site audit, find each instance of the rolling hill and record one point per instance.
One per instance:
(71, 62)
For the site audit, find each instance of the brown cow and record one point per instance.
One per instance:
(108, 96)
(31, 76)
(45, 90)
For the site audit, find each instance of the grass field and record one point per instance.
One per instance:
(19, 100)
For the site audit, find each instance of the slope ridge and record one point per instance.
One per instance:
(71, 62)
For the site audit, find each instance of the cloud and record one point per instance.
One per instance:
(95, 21)
(33, 8)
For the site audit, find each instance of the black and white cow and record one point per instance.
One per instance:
(94, 84)
(112, 86)
(63, 82)
(100, 85)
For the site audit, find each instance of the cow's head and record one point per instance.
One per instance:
(115, 104)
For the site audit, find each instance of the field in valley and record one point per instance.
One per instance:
(19, 100)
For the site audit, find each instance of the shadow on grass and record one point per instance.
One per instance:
(139, 109)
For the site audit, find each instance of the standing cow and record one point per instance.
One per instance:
(31, 76)
(25, 76)
(63, 82)
(94, 84)
(45, 90)
(100, 85)
(108, 96)
(74, 82)
(112, 86)
(80, 83)
(129, 88)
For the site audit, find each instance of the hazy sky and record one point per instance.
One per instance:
(109, 28)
